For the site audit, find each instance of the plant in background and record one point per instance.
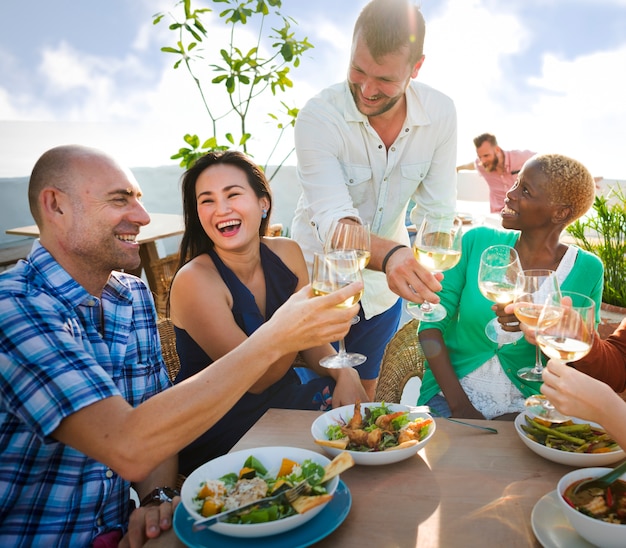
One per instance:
(603, 233)
(244, 76)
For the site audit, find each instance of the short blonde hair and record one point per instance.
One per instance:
(571, 183)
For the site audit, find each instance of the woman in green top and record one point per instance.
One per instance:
(468, 375)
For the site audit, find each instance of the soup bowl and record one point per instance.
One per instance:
(597, 532)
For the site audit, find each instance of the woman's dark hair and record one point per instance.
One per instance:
(195, 240)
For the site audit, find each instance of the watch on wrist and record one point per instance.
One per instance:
(159, 496)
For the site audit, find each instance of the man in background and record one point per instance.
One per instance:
(498, 167)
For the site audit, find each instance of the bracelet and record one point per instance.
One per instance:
(388, 256)
(160, 495)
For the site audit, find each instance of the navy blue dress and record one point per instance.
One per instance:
(286, 393)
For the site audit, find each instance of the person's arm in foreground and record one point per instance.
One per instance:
(147, 522)
(134, 441)
(605, 361)
(576, 394)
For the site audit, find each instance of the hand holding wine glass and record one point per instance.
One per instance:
(437, 247)
(350, 237)
(345, 236)
(534, 289)
(331, 272)
(564, 332)
(497, 276)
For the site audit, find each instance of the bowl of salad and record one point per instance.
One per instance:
(373, 433)
(574, 443)
(238, 478)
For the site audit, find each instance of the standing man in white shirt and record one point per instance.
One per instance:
(365, 148)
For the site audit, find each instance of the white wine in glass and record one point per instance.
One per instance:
(535, 288)
(565, 332)
(497, 276)
(350, 236)
(437, 247)
(346, 236)
(332, 271)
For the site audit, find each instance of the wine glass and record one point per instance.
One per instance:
(534, 289)
(564, 332)
(497, 275)
(350, 237)
(332, 271)
(437, 247)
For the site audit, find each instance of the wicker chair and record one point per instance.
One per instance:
(160, 273)
(402, 360)
(168, 346)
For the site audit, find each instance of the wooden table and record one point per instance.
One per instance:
(162, 225)
(465, 488)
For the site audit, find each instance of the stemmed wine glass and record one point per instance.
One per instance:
(564, 332)
(437, 247)
(497, 275)
(534, 289)
(350, 237)
(330, 273)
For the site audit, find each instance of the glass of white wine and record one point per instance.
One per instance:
(332, 272)
(350, 236)
(437, 247)
(497, 276)
(565, 332)
(346, 236)
(534, 289)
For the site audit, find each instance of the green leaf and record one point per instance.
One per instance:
(287, 52)
(167, 49)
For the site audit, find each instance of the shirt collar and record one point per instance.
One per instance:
(63, 285)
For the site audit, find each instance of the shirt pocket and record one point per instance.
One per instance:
(359, 182)
(413, 175)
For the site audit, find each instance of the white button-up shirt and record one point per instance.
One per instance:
(345, 170)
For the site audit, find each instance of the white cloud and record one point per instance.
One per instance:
(572, 106)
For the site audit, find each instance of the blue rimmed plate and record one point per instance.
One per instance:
(322, 525)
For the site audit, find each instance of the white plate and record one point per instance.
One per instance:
(579, 460)
(342, 415)
(551, 527)
(271, 458)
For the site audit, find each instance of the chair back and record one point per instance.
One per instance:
(168, 347)
(402, 360)
(163, 270)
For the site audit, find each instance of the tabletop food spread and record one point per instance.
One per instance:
(495, 486)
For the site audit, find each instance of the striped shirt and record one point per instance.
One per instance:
(62, 349)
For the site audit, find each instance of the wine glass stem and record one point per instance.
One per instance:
(426, 307)
(538, 364)
(342, 347)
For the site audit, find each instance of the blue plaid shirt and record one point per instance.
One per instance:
(56, 357)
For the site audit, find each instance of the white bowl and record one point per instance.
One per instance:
(342, 415)
(597, 532)
(271, 458)
(565, 457)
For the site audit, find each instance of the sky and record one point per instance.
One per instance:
(544, 75)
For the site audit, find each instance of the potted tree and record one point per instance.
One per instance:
(603, 233)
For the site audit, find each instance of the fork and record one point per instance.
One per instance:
(427, 409)
(291, 495)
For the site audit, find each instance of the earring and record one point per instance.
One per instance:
(264, 213)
